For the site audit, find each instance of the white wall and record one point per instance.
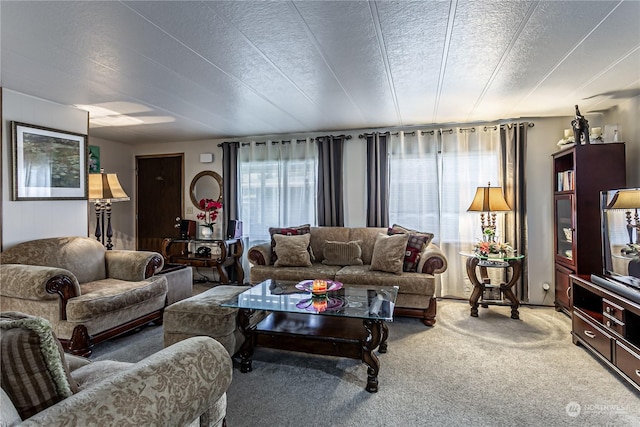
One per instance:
(118, 158)
(28, 220)
(627, 117)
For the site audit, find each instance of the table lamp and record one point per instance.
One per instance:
(104, 189)
(490, 200)
(628, 200)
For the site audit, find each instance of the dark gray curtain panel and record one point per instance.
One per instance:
(229, 182)
(377, 180)
(513, 140)
(330, 196)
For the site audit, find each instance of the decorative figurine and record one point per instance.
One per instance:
(580, 127)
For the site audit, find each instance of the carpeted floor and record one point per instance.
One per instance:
(485, 371)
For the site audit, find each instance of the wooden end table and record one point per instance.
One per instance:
(483, 284)
(229, 255)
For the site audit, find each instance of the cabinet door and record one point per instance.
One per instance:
(565, 229)
(563, 288)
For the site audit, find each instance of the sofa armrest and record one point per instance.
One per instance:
(132, 265)
(172, 387)
(260, 254)
(35, 282)
(432, 260)
(76, 362)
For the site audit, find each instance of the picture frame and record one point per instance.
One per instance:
(94, 159)
(48, 164)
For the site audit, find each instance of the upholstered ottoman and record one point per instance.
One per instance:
(179, 282)
(202, 315)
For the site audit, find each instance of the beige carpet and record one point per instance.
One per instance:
(485, 371)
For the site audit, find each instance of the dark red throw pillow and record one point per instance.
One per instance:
(417, 242)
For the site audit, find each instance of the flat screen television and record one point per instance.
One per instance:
(620, 229)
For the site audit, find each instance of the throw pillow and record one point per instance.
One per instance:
(388, 253)
(34, 371)
(288, 231)
(418, 242)
(342, 253)
(292, 250)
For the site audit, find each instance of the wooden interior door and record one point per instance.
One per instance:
(160, 184)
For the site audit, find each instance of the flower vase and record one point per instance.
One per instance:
(498, 255)
(206, 231)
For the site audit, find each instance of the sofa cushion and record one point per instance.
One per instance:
(388, 253)
(417, 243)
(407, 283)
(82, 256)
(109, 295)
(368, 236)
(317, 270)
(34, 371)
(292, 251)
(342, 253)
(8, 414)
(288, 231)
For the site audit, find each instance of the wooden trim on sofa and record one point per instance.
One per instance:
(63, 286)
(427, 315)
(81, 343)
(154, 264)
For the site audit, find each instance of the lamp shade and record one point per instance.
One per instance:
(625, 199)
(489, 199)
(105, 186)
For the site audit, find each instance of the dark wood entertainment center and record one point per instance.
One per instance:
(580, 174)
(606, 320)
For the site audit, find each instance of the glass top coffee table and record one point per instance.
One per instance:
(343, 320)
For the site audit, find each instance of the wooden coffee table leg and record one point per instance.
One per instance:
(372, 341)
(246, 350)
(382, 348)
(472, 262)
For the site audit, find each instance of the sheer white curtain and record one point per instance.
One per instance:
(413, 181)
(469, 159)
(432, 179)
(277, 185)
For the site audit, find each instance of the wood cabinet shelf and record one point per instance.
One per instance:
(580, 173)
(607, 325)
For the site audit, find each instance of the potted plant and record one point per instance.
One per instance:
(209, 215)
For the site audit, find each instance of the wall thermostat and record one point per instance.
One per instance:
(206, 157)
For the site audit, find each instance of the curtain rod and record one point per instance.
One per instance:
(283, 141)
(364, 135)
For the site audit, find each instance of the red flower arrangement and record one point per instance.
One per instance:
(210, 214)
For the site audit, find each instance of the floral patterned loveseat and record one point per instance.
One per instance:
(88, 294)
(416, 289)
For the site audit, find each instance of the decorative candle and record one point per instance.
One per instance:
(568, 133)
(596, 132)
(320, 304)
(319, 286)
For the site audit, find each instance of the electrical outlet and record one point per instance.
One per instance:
(546, 287)
(189, 210)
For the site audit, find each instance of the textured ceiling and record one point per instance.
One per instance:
(179, 71)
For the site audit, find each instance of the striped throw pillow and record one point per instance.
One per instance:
(34, 371)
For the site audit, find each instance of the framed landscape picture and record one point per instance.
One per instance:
(48, 163)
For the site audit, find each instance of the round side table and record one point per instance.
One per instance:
(482, 283)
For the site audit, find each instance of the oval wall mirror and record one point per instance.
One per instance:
(206, 185)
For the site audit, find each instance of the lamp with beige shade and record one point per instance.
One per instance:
(104, 189)
(490, 200)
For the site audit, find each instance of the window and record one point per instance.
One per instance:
(278, 186)
(432, 181)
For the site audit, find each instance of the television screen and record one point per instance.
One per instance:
(620, 234)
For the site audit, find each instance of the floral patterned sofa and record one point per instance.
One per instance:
(182, 385)
(415, 279)
(88, 294)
